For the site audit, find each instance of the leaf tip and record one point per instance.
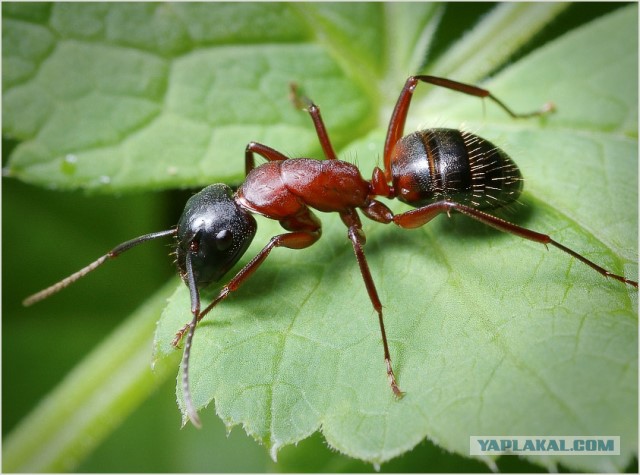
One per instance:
(273, 452)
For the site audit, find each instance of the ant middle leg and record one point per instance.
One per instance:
(420, 216)
(398, 119)
(304, 103)
(357, 238)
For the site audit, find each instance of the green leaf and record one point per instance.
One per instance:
(489, 334)
(130, 109)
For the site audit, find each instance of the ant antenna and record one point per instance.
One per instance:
(191, 411)
(115, 252)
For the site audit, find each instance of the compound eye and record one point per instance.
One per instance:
(224, 239)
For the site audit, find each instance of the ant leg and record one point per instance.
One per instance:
(479, 92)
(420, 216)
(306, 229)
(304, 103)
(358, 239)
(399, 116)
(273, 155)
(265, 151)
(293, 240)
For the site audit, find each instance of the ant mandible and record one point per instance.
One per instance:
(434, 170)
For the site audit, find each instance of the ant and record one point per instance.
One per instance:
(434, 170)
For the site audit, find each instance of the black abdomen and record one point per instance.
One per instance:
(448, 164)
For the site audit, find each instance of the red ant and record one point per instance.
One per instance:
(434, 170)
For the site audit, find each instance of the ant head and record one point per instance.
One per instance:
(216, 231)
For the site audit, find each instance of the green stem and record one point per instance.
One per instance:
(499, 35)
(94, 398)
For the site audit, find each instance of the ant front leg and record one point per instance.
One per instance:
(357, 238)
(418, 217)
(292, 240)
(399, 116)
(265, 151)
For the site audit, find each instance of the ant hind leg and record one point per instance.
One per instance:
(420, 216)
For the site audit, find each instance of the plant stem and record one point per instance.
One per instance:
(94, 398)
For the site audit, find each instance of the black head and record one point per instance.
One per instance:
(216, 231)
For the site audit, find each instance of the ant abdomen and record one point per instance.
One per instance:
(449, 164)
